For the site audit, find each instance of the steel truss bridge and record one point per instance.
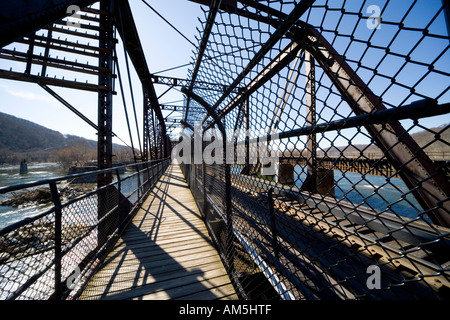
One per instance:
(314, 78)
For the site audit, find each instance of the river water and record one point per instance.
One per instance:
(370, 191)
(9, 175)
(19, 269)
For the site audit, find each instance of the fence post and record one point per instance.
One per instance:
(58, 239)
(147, 183)
(273, 224)
(119, 200)
(139, 183)
(229, 215)
(205, 199)
(118, 180)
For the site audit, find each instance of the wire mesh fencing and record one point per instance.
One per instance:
(335, 181)
(52, 254)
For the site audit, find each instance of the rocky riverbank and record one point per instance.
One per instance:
(36, 238)
(43, 195)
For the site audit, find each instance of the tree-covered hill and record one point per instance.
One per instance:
(23, 139)
(19, 135)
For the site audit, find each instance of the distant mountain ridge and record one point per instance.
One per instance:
(434, 141)
(20, 138)
(22, 135)
(23, 139)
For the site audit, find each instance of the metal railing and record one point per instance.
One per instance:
(52, 254)
(359, 206)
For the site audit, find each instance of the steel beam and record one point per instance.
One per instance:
(281, 30)
(106, 40)
(69, 106)
(50, 62)
(128, 31)
(63, 46)
(223, 5)
(178, 82)
(446, 8)
(201, 51)
(310, 183)
(22, 17)
(48, 42)
(430, 187)
(11, 75)
(286, 56)
(149, 151)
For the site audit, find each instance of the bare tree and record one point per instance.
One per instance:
(75, 155)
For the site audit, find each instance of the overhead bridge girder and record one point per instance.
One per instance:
(20, 21)
(21, 17)
(429, 186)
(129, 34)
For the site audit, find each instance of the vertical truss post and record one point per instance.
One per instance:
(30, 54)
(106, 41)
(58, 240)
(310, 183)
(46, 52)
(429, 186)
(273, 222)
(156, 146)
(149, 149)
(247, 135)
(148, 115)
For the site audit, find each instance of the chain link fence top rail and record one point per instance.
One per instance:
(353, 97)
(53, 253)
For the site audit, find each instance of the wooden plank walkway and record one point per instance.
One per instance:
(165, 252)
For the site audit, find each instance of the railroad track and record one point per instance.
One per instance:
(319, 236)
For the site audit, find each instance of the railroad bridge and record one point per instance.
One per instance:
(247, 189)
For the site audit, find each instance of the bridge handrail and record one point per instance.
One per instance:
(33, 184)
(42, 256)
(20, 186)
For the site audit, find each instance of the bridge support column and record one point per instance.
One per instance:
(104, 156)
(325, 182)
(285, 173)
(310, 183)
(106, 41)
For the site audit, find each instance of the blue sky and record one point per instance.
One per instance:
(165, 48)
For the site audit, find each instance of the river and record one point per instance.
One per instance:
(9, 175)
(372, 191)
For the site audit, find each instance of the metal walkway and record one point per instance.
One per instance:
(165, 252)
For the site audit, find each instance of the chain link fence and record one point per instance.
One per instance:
(349, 103)
(52, 254)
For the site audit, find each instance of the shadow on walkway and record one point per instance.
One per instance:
(143, 264)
